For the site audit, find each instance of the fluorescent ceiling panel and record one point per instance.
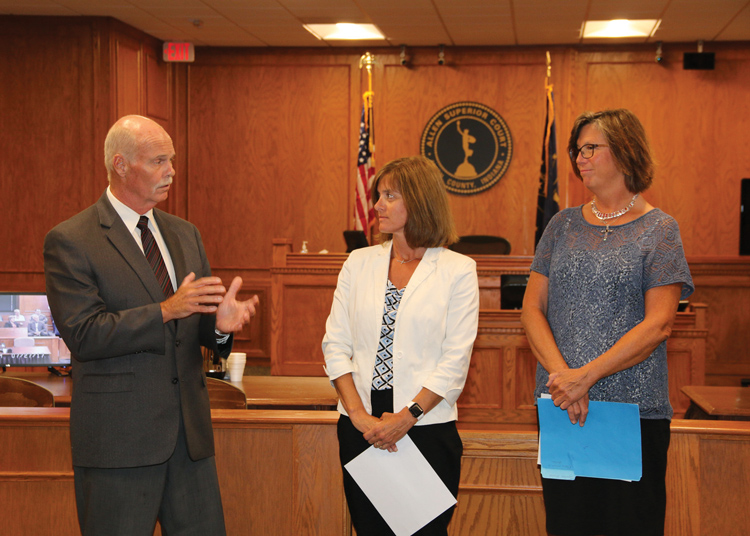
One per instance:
(619, 28)
(344, 31)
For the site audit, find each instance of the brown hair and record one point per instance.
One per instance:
(430, 221)
(627, 140)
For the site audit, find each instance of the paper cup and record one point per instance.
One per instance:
(236, 366)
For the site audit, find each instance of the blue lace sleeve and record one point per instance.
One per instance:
(665, 262)
(546, 245)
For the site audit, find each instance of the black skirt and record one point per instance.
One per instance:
(597, 506)
(439, 443)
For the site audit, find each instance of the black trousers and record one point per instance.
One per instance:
(440, 444)
(594, 506)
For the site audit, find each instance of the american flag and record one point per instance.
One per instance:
(364, 212)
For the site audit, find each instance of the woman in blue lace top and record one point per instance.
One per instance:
(601, 300)
(400, 333)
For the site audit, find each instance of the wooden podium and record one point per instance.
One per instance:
(499, 389)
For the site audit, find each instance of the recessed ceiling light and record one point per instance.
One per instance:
(344, 31)
(619, 28)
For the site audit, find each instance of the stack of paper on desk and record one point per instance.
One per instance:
(607, 446)
(402, 486)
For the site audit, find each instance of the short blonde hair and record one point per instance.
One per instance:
(429, 219)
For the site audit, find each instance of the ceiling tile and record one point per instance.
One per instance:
(411, 22)
(739, 28)
(325, 11)
(540, 22)
(693, 20)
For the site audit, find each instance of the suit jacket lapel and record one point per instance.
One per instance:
(427, 265)
(123, 242)
(376, 289)
(174, 244)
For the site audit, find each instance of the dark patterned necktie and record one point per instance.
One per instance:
(154, 258)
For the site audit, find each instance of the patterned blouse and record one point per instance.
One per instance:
(382, 374)
(596, 294)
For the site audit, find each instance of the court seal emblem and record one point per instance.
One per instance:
(471, 145)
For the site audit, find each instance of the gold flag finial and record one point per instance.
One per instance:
(367, 61)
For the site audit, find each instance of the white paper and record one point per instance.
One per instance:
(402, 486)
(539, 446)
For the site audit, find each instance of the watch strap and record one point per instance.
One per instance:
(415, 409)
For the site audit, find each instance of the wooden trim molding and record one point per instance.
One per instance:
(280, 474)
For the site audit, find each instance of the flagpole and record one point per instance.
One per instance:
(367, 61)
(364, 211)
(548, 197)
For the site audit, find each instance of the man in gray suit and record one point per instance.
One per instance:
(140, 425)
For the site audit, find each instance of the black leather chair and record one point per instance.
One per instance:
(482, 245)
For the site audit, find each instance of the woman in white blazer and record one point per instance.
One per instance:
(399, 337)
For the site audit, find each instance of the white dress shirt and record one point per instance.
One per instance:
(130, 218)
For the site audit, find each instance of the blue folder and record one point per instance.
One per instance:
(607, 446)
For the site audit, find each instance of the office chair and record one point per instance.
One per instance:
(482, 245)
(23, 341)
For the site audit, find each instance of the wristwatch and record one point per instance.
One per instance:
(415, 409)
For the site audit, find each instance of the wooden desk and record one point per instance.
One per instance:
(289, 392)
(263, 392)
(718, 402)
(279, 474)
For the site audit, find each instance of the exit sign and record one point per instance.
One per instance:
(172, 51)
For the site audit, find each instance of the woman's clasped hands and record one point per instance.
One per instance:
(385, 432)
(569, 389)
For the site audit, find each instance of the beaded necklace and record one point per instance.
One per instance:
(607, 217)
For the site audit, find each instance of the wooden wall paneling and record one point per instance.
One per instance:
(279, 474)
(724, 284)
(129, 81)
(724, 463)
(707, 478)
(304, 305)
(302, 287)
(158, 88)
(245, 468)
(683, 480)
(269, 155)
(670, 102)
(483, 388)
(686, 355)
(255, 338)
(516, 91)
(36, 475)
(525, 368)
(143, 85)
(318, 475)
(46, 110)
(177, 201)
(728, 336)
(500, 491)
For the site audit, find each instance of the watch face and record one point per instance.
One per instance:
(416, 410)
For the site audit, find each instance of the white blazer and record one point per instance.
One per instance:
(435, 327)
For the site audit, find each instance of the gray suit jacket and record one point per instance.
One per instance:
(133, 375)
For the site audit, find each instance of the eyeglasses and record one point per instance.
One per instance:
(586, 151)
